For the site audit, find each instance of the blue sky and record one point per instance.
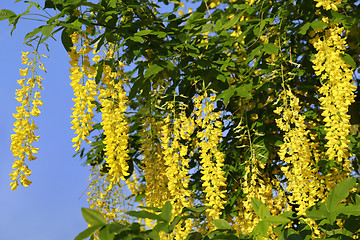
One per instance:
(50, 208)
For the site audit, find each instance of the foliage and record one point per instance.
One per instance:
(247, 107)
(325, 214)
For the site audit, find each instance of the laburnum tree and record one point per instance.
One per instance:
(248, 108)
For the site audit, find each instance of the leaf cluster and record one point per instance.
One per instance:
(325, 214)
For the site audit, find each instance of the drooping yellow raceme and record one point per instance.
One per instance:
(82, 75)
(113, 100)
(255, 183)
(156, 190)
(175, 154)
(337, 94)
(24, 127)
(328, 4)
(155, 187)
(212, 159)
(109, 201)
(296, 152)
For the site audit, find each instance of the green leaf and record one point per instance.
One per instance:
(139, 198)
(339, 193)
(154, 235)
(33, 33)
(194, 236)
(101, 42)
(195, 210)
(221, 77)
(5, 14)
(271, 48)
(260, 208)
(231, 23)
(255, 52)
(161, 226)
(85, 234)
(137, 39)
(155, 209)
(226, 95)
(86, 22)
(218, 25)
(261, 228)
(143, 32)
(99, 73)
(93, 217)
(161, 34)
(66, 40)
(143, 214)
(317, 212)
(244, 91)
(261, 151)
(352, 210)
(277, 220)
(318, 24)
(166, 213)
(47, 30)
(357, 200)
(58, 1)
(241, 6)
(222, 224)
(104, 234)
(304, 28)
(112, 3)
(35, 4)
(152, 70)
(290, 234)
(349, 60)
(116, 227)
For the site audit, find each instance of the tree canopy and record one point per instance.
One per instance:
(248, 108)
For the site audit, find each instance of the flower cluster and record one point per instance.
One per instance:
(255, 182)
(337, 94)
(328, 4)
(82, 75)
(156, 190)
(296, 153)
(24, 127)
(109, 201)
(113, 100)
(177, 164)
(212, 159)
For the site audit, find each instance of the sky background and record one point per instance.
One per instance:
(50, 208)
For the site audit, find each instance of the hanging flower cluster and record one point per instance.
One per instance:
(108, 200)
(113, 100)
(255, 183)
(82, 75)
(177, 164)
(156, 190)
(328, 4)
(24, 127)
(303, 181)
(337, 94)
(212, 159)
(179, 155)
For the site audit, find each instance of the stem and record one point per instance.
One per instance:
(38, 14)
(33, 19)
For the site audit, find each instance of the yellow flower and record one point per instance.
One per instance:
(328, 4)
(24, 127)
(209, 137)
(24, 72)
(85, 90)
(337, 94)
(96, 58)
